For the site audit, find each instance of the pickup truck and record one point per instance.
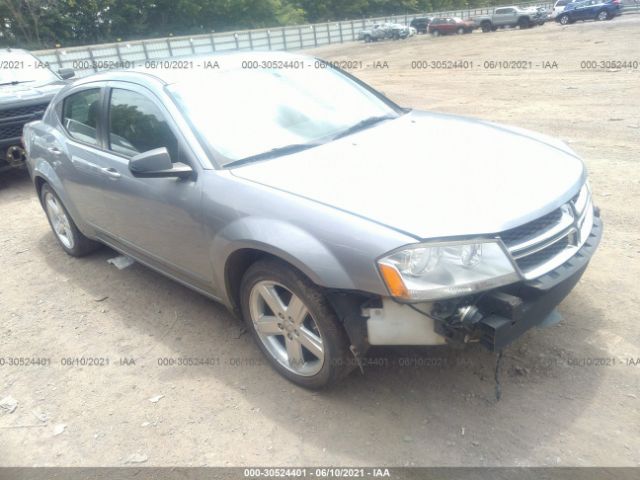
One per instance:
(509, 17)
(27, 85)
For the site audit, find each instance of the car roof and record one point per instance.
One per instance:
(151, 71)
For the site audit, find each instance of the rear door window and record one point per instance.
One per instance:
(80, 112)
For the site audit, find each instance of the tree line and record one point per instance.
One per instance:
(46, 23)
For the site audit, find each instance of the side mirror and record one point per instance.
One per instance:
(156, 163)
(66, 73)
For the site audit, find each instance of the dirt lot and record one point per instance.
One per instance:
(557, 407)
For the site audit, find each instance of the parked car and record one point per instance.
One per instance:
(385, 31)
(559, 7)
(26, 88)
(421, 24)
(398, 31)
(509, 17)
(589, 10)
(542, 14)
(373, 34)
(444, 26)
(302, 207)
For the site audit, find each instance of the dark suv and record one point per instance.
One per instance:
(421, 24)
(27, 85)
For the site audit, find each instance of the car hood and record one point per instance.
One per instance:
(432, 175)
(29, 91)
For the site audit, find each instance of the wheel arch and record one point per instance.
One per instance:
(43, 173)
(38, 182)
(246, 241)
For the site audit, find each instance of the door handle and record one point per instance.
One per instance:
(111, 172)
(55, 150)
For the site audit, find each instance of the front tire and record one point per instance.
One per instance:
(460, 31)
(294, 325)
(564, 20)
(602, 16)
(524, 23)
(64, 228)
(435, 33)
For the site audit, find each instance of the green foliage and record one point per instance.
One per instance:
(46, 23)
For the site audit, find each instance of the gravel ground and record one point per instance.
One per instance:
(558, 408)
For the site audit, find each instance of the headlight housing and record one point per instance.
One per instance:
(434, 271)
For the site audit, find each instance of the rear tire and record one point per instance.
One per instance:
(309, 348)
(460, 31)
(564, 20)
(486, 27)
(64, 228)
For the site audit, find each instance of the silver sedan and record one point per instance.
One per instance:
(328, 217)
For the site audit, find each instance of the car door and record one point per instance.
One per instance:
(581, 11)
(157, 218)
(502, 16)
(75, 148)
(594, 7)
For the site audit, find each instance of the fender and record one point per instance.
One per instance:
(283, 240)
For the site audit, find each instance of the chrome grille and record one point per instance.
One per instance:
(541, 256)
(521, 233)
(539, 246)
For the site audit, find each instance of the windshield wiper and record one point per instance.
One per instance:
(16, 82)
(361, 125)
(275, 152)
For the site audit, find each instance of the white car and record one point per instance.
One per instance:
(559, 7)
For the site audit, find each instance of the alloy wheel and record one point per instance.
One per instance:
(59, 220)
(286, 328)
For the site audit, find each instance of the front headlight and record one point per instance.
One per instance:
(436, 271)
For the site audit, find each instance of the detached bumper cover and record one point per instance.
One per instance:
(511, 311)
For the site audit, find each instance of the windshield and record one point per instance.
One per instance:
(21, 67)
(243, 113)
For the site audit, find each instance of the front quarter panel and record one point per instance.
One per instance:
(335, 249)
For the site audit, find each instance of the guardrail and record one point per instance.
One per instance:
(92, 58)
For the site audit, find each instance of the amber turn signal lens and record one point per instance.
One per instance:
(394, 281)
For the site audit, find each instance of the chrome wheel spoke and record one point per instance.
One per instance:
(311, 342)
(52, 205)
(294, 353)
(296, 310)
(65, 223)
(59, 221)
(268, 325)
(272, 299)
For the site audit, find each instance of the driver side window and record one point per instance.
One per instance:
(137, 125)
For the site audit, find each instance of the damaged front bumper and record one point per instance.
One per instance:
(494, 318)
